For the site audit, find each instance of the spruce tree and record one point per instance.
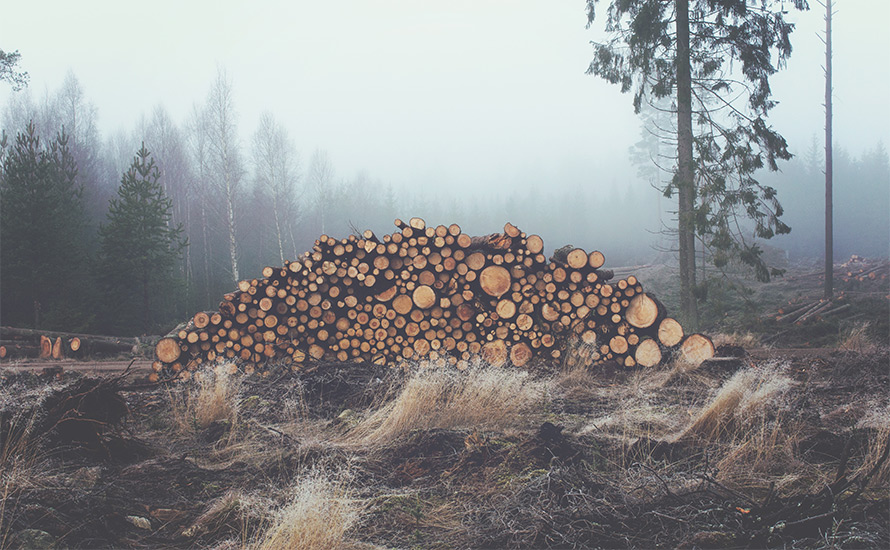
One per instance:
(713, 60)
(139, 248)
(42, 228)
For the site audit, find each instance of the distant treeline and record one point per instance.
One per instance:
(243, 206)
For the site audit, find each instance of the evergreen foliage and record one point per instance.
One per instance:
(722, 52)
(8, 72)
(42, 224)
(139, 250)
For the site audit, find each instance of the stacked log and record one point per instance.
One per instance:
(427, 291)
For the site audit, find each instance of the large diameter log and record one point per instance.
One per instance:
(642, 312)
(596, 259)
(46, 347)
(534, 244)
(520, 354)
(648, 353)
(670, 332)
(58, 351)
(18, 351)
(424, 297)
(495, 353)
(168, 350)
(697, 348)
(495, 280)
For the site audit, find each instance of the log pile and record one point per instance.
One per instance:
(434, 292)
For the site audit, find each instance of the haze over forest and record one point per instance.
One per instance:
(474, 113)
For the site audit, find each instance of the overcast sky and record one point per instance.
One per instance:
(419, 93)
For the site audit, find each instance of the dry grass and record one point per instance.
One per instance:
(318, 517)
(213, 397)
(755, 438)
(741, 405)
(19, 467)
(481, 397)
(877, 423)
(857, 339)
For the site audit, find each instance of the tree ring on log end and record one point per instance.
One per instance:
(495, 280)
(424, 297)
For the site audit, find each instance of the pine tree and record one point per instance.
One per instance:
(139, 248)
(714, 58)
(42, 227)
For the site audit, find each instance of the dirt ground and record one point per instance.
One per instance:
(605, 461)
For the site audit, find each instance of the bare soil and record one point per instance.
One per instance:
(561, 479)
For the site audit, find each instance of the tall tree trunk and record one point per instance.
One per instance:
(685, 168)
(278, 231)
(829, 206)
(206, 253)
(145, 298)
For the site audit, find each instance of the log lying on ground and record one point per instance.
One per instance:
(426, 291)
(59, 345)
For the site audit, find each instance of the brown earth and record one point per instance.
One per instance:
(605, 461)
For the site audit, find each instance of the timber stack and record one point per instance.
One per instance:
(431, 292)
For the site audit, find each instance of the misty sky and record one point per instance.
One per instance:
(469, 93)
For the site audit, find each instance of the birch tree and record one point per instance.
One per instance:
(225, 163)
(277, 174)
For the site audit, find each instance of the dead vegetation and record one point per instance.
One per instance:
(777, 452)
(482, 397)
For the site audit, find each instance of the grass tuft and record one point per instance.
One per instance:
(213, 397)
(318, 517)
(740, 405)
(480, 397)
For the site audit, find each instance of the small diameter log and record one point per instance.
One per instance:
(618, 344)
(648, 353)
(697, 348)
(596, 259)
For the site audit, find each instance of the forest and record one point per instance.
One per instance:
(235, 206)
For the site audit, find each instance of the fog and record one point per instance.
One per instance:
(477, 110)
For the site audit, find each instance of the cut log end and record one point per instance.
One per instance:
(697, 348)
(495, 280)
(648, 353)
(424, 297)
(642, 311)
(670, 332)
(168, 350)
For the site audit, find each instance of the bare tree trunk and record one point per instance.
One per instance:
(278, 232)
(145, 299)
(685, 168)
(829, 206)
(230, 211)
